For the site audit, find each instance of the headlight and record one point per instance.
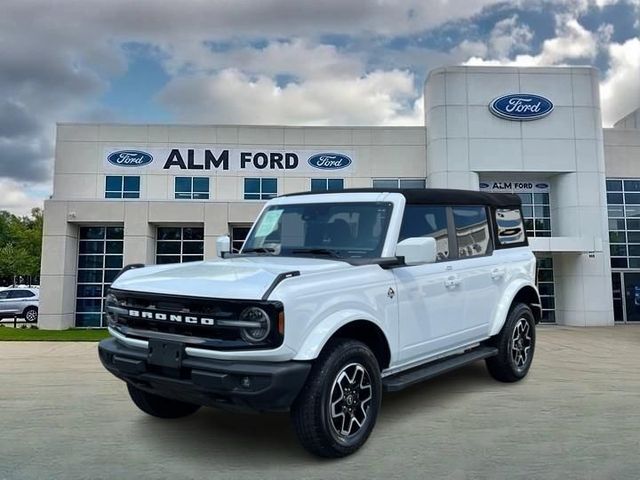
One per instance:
(260, 331)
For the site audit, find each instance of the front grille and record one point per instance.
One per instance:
(194, 309)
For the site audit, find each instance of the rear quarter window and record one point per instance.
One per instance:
(510, 227)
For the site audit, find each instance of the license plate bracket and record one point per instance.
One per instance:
(164, 353)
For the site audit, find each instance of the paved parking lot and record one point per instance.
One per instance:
(577, 416)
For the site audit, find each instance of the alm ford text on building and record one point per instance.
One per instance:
(156, 194)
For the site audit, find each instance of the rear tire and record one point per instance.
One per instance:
(337, 408)
(516, 345)
(30, 314)
(158, 406)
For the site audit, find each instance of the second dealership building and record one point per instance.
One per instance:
(164, 193)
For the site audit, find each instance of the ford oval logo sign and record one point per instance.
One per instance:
(329, 161)
(130, 158)
(521, 106)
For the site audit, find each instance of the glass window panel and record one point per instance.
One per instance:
(131, 195)
(113, 261)
(526, 197)
(191, 258)
(251, 185)
(318, 184)
(252, 196)
(89, 305)
(168, 233)
(633, 211)
(614, 185)
(618, 263)
(542, 211)
(91, 247)
(88, 319)
(110, 275)
(91, 233)
(618, 250)
(548, 316)
(183, 185)
(541, 198)
(427, 221)
(162, 259)
(542, 233)
(113, 183)
(542, 224)
(528, 224)
(632, 198)
(617, 237)
(527, 211)
(616, 224)
(269, 185)
(615, 198)
(89, 276)
(163, 248)
(115, 233)
(193, 248)
(547, 302)
(268, 196)
(472, 231)
(633, 224)
(546, 288)
(385, 183)
(619, 211)
(183, 196)
(90, 290)
(634, 263)
(113, 195)
(193, 233)
(335, 184)
(131, 184)
(545, 275)
(411, 183)
(633, 237)
(201, 184)
(545, 262)
(200, 196)
(634, 250)
(90, 261)
(631, 185)
(114, 246)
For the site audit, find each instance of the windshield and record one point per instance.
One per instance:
(345, 230)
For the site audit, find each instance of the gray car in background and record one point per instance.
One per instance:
(21, 302)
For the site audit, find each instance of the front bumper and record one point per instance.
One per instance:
(262, 386)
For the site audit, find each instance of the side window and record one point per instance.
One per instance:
(4, 294)
(510, 226)
(427, 221)
(20, 294)
(472, 231)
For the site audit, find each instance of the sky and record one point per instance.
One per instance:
(293, 62)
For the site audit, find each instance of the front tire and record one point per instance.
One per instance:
(158, 406)
(30, 314)
(516, 345)
(337, 408)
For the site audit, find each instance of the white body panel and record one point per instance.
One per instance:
(424, 311)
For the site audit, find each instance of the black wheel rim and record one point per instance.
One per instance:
(350, 400)
(521, 343)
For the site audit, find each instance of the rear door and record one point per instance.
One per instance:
(482, 277)
(4, 301)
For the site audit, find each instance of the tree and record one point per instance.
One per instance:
(20, 244)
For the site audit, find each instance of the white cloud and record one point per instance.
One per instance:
(231, 96)
(16, 198)
(620, 90)
(508, 36)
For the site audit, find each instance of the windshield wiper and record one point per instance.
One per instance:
(259, 250)
(317, 251)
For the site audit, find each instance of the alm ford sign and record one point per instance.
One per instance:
(130, 158)
(329, 161)
(521, 106)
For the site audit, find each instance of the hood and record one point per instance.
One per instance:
(234, 278)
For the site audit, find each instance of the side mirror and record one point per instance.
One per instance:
(417, 250)
(223, 245)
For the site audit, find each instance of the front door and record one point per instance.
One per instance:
(632, 296)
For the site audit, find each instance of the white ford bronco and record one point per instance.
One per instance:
(333, 299)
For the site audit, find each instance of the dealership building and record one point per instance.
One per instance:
(164, 193)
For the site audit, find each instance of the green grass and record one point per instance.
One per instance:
(9, 334)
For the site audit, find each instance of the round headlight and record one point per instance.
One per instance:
(260, 331)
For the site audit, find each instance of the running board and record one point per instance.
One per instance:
(407, 378)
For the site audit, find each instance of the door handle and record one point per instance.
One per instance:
(497, 273)
(452, 282)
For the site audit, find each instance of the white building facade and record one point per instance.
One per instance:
(164, 193)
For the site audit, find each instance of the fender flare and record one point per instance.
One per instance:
(316, 339)
(504, 305)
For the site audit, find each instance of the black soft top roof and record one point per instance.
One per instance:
(436, 196)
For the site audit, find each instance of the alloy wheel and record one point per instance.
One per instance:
(350, 399)
(521, 343)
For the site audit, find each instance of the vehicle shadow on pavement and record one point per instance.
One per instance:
(233, 439)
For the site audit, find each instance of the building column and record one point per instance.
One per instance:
(216, 224)
(58, 268)
(139, 234)
(582, 280)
